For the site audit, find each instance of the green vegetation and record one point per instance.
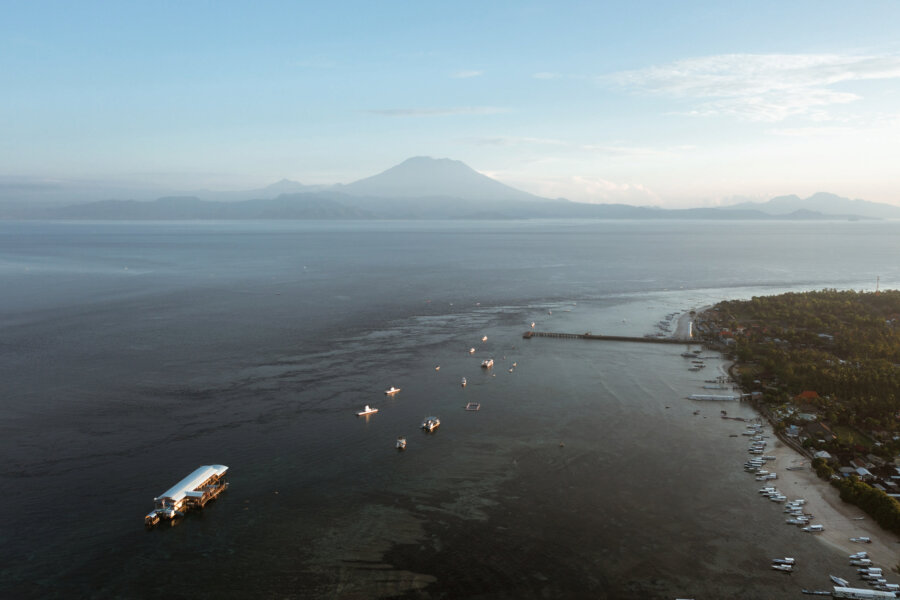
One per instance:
(827, 365)
(884, 509)
(845, 346)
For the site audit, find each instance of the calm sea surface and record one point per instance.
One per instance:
(131, 353)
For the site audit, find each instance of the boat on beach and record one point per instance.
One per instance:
(784, 568)
(430, 423)
(368, 410)
(839, 581)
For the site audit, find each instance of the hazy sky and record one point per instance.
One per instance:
(666, 103)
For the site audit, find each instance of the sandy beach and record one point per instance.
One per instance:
(841, 520)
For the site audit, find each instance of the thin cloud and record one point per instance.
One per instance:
(760, 87)
(508, 141)
(467, 74)
(436, 112)
(811, 131)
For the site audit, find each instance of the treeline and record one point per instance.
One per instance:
(874, 502)
(844, 345)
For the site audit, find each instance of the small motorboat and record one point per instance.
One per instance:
(463, 382)
(437, 367)
(784, 568)
(487, 363)
(368, 410)
(471, 350)
(431, 423)
(401, 443)
(484, 339)
(391, 391)
(473, 406)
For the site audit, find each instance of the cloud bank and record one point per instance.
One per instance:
(760, 87)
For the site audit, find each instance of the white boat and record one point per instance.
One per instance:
(862, 554)
(787, 560)
(487, 363)
(391, 391)
(431, 423)
(840, 581)
(784, 568)
(437, 367)
(814, 528)
(401, 443)
(473, 406)
(484, 339)
(861, 540)
(471, 350)
(463, 382)
(368, 410)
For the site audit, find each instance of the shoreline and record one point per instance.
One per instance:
(840, 519)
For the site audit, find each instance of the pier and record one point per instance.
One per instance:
(606, 338)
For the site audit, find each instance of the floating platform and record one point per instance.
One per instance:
(194, 491)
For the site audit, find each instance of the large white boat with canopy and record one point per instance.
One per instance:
(194, 491)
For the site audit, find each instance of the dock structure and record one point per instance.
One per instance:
(607, 338)
(194, 491)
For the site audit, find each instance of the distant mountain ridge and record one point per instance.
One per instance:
(424, 188)
(825, 203)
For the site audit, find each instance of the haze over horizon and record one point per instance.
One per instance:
(671, 105)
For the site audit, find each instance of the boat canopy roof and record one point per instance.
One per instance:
(193, 481)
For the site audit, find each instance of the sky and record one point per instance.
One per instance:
(672, 104)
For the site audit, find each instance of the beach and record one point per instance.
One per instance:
(841, 520)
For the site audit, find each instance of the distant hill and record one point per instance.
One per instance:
(424, 177)
(285, 206)
(418, 188)
(824, 203)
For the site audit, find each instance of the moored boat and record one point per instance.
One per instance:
(431, 423)
(391, 391)
(401, 443)
(368, 410)
(473, 406)
(487, 363)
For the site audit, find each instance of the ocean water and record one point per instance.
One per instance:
(131, 353)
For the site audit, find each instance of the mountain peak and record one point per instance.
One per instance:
(423, 176)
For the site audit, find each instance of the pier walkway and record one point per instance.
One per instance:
(607, 338)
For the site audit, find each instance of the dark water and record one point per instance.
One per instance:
(132, 353)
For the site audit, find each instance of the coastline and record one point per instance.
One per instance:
(841, 520)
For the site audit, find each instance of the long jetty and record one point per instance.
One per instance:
(606, 338)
